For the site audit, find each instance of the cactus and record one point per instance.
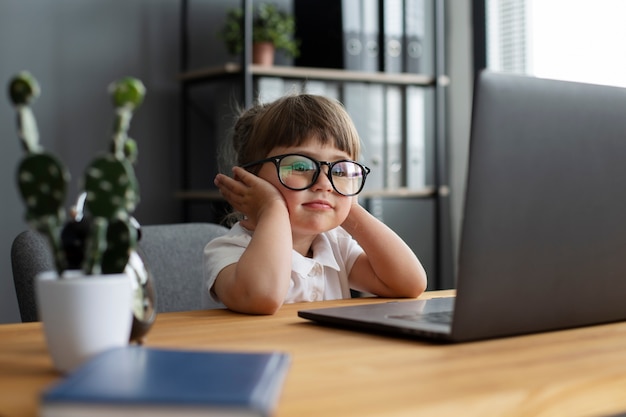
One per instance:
(111, 188)
(42, 178)
(103, 240)
(111, 195)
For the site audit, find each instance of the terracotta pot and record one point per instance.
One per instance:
(263, 53)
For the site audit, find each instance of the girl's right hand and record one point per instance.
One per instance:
(248, 194)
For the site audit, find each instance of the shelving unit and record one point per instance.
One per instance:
(233, 70)
(420, 215)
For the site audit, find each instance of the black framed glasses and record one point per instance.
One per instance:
(299, 172)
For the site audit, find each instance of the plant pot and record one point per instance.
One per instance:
(83, 315)
(263, 53)
(144, 297)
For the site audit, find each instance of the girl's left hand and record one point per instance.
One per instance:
(248, 194)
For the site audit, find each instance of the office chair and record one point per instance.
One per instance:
(172, 253)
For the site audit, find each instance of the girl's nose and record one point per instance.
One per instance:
(323, 181)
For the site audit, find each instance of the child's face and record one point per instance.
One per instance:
(318, 208)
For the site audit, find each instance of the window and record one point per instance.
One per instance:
(576, 40)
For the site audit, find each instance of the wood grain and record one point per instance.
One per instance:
(335, 372)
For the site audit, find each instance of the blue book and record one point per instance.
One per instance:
(136, 380)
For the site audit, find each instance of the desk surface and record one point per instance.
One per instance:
(336, 372)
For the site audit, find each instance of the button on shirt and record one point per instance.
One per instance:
(322, 277)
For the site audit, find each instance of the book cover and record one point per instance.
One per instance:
(136, 380)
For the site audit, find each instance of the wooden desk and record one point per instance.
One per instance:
(337, 372)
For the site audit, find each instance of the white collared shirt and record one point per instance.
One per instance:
(322, 277)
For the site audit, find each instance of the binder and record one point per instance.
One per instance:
(393, 22)
(357, 101)
(430, 134)
(292, 86)
(269, 89)
(330, 33)
(323, 88)
(364, 104)
(413, 35)
(419, 35)
(394, 155)
(375, 137)
(352, 34)
(416, 138)
(370, 35)
(420, 137)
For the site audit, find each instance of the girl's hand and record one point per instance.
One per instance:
(248, 194)
(349, 222)
(388, 268)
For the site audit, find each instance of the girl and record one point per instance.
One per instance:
(303, 236)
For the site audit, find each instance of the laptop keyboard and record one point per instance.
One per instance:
(437, 317)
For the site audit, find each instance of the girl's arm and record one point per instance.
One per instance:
(388, 268)
(258, 282)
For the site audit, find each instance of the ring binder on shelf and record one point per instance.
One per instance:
(393, 22)
(418, 36)
(413, 35)
(394, 155)
(415, 138)
(364, 104)
(370, 35)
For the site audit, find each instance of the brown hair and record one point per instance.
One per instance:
(290, 121)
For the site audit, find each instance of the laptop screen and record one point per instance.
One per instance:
(544, 228)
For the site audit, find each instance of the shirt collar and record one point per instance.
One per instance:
(322, 254)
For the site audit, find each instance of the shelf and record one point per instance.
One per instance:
(232, 69)
(214, 195)
(412, 105)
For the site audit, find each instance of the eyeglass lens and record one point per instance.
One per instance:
(299, 172)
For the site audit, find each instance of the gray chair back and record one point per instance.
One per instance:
(30, 255)
(172, 253)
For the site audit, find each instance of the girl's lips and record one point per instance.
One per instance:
(318, 204)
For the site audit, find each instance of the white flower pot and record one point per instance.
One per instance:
(83, 315)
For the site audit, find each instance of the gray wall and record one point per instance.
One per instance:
(75, 49)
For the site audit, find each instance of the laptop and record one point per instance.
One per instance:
(543, 240)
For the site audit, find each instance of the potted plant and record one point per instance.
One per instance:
(93, 254)
(272, 29)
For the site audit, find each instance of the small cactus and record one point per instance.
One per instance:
(42, 179)
(111, 188)
(104, 237)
